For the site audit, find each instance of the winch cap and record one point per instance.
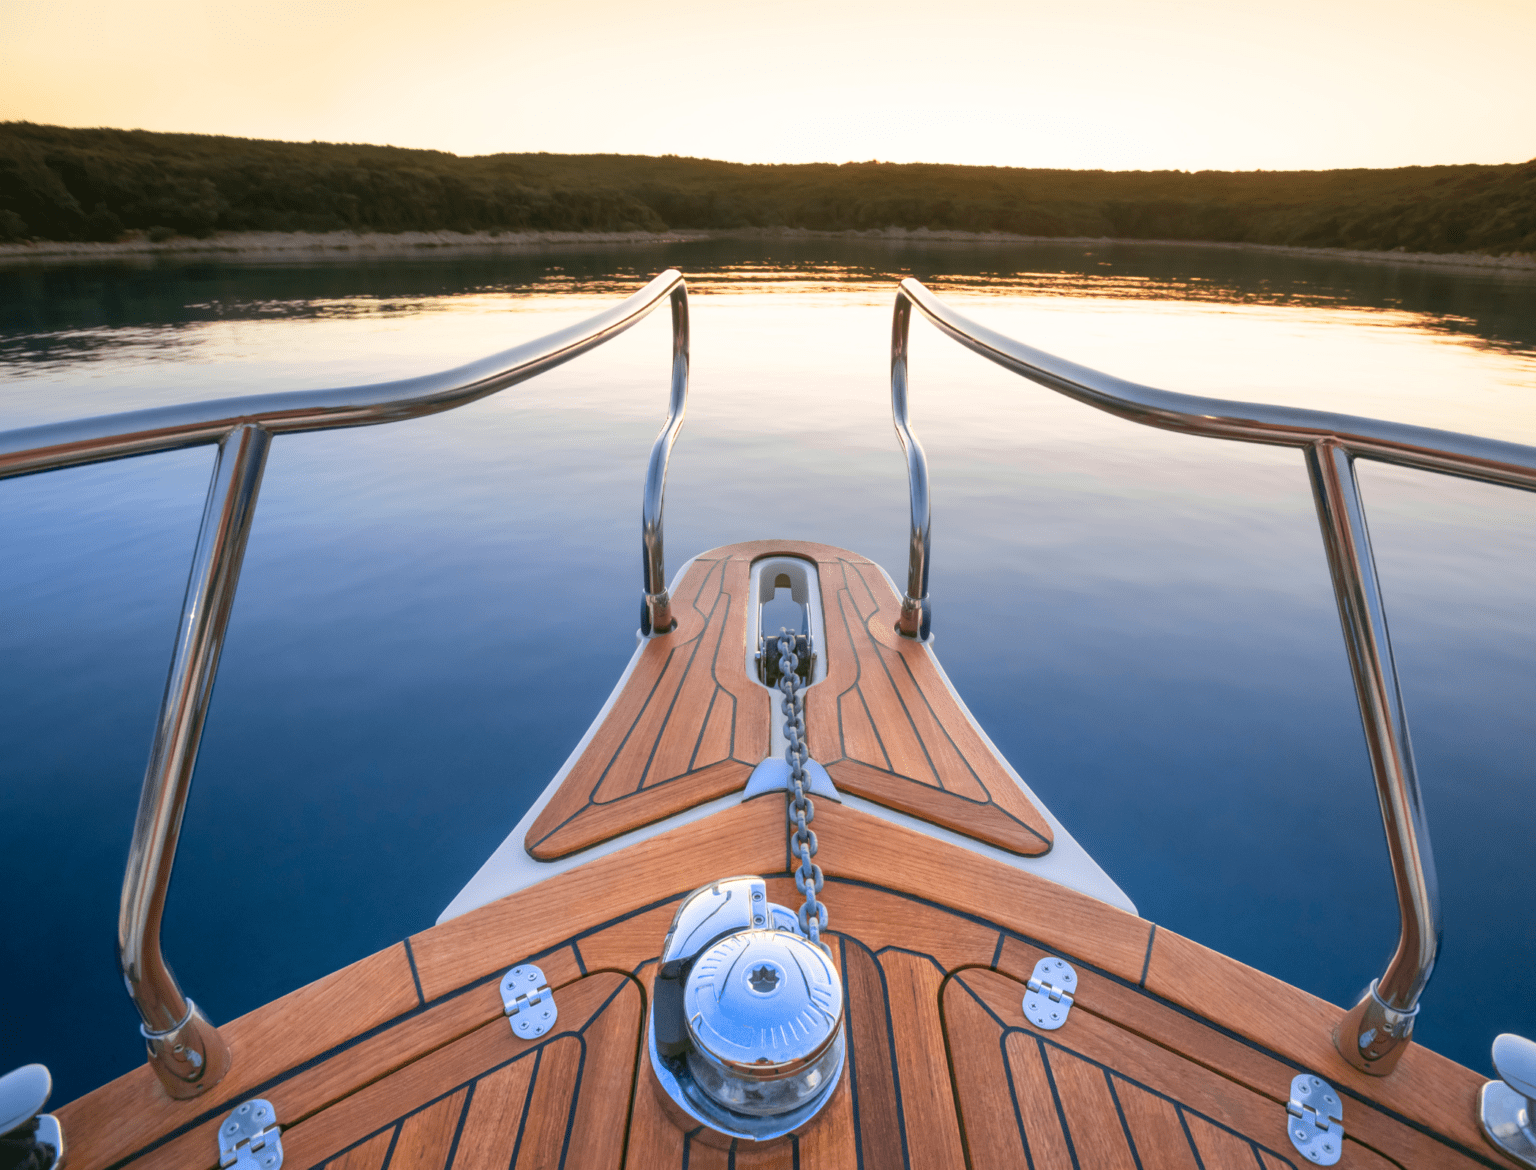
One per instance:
(764, 1003)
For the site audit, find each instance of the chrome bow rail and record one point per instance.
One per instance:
(185, 1050)
(1376, 1031)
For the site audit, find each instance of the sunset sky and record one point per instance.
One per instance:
(1113, 84)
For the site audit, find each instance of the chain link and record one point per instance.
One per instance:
(808, 878)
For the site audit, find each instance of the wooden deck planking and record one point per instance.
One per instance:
(1299, 1027)
(887, 728)
(495, 1118)
(491, 1096)
(366, 1155)
(425, 1138)
(911, 963)
(1091, 1112)
(265, 1044)
(690, 724)
(1156, 1128)
(929, 1123)
(878, 1131)
(1235, 1059)
(1091, 1064)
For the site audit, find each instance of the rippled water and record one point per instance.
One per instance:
(432, 612)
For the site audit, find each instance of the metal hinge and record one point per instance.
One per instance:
(250, 1139)
(1049, 997)
(1315, 1120)
(528, 1001)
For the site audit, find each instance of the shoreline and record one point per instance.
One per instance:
(364, 245)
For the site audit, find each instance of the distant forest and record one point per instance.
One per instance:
(64, 184)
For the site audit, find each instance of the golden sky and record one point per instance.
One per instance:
(1113, 84)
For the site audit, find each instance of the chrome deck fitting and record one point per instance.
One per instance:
(24, 1127)
(1506, 1108)
(746, 1027)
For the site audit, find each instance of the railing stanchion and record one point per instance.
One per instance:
(656, 606)
(185, 1050)
(1374, 1034)
(916, 616)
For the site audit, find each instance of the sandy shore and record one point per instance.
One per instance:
(361, 245)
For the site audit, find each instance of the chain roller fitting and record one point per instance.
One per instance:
(808, 878)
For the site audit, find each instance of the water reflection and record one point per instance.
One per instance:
(53, 314)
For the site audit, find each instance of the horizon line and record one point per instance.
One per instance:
(744, 163)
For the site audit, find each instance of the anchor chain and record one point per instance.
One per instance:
(808, 878)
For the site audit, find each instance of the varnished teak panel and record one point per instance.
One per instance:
(943, 1070)
(690, 724)
(887, 728)
(687, 727)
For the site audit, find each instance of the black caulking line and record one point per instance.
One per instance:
(1189, 1137)
(1125, 1125)
(666, 719)
(1013, 1093)
(363, 1141)
(394, 1138)
(890, 1039)
(522, 1124)
(410, 957)
(581, 1071)
(850, 1058)
(1146, 963)
(1061, 1114)
(458, 1131)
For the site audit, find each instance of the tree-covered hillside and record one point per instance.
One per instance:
(64, 184)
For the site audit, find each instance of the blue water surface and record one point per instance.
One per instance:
(432, 612)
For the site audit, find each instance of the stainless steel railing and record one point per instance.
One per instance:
(915, 616)
(1376, 1031)
(185, 1050)
(656, 607)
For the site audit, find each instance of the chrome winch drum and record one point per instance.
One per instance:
(746, 1032)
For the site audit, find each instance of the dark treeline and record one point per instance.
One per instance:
(65, 184)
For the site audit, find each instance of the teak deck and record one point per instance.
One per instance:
(690, 724)
(1173, 1058)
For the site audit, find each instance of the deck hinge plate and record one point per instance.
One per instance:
(1049, 996)
(1315, 1120)
(528, 1002)
(249, 1138)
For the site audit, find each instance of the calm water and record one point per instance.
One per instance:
(432, 612)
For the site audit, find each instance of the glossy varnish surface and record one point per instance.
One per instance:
(687, 727)
(689, 724)
(943, 1069)
(887, 728)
